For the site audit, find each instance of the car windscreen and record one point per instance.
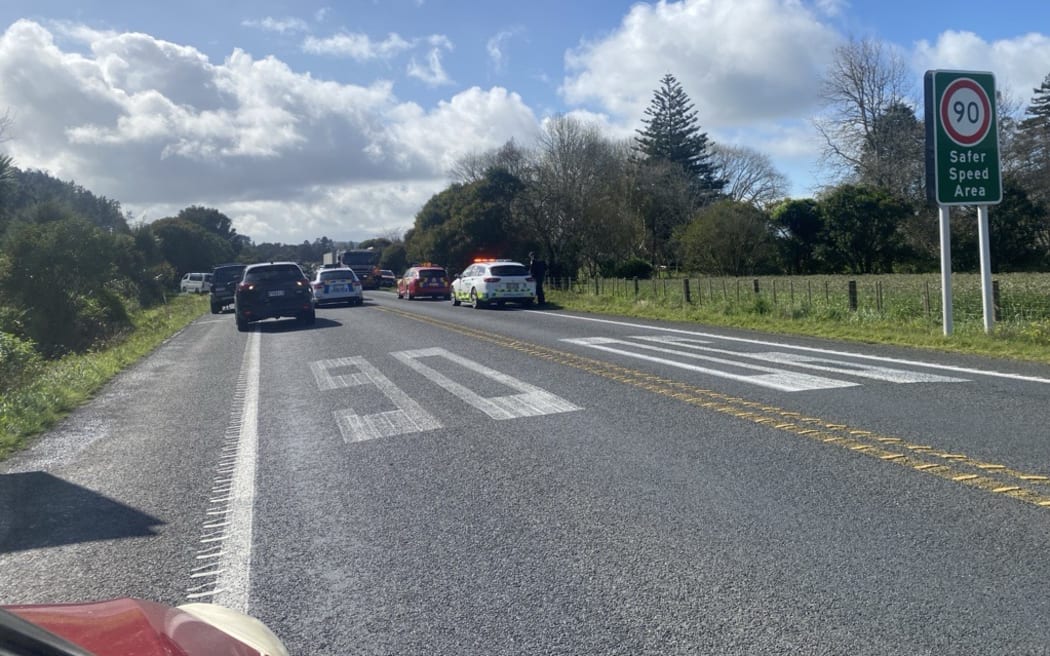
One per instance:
(338, 274)
(276, 273)
(226, 275)
(432, 273)
(509, 270)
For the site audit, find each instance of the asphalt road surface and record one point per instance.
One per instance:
(410, 477)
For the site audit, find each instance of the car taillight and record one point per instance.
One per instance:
(490, 280)
(530, 279)
(318, 285)
(245, 287)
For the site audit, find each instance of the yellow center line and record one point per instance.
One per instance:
(788, 421)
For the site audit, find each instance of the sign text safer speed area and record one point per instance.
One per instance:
(962, 143)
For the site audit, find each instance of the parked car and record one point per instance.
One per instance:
(196, 283)
(424, 280)
(224, 279)
(337, 286)
(494, 282)
(273, 290)
(387, 278)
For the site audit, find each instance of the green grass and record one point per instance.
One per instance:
(899, 309)
(66, 383)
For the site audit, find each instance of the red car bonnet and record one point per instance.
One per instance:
(131, 627)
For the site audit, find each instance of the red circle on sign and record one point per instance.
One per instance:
(946, 123)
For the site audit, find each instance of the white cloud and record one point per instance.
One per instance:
(431, 72)
(322, 14)
(496, 46)
(357, 46)
(288, 156)
(740, 61)
(280, 25)
(1019, 64)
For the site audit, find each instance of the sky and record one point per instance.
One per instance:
(340, 119)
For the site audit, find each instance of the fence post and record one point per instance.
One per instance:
(853, 295)
(597, 292)
(774, 292)
(995, 301)
(636, 286)
(926, 299)
(756, 285)
(685, 290)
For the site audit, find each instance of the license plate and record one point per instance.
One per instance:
(335, 288)
(277, 292)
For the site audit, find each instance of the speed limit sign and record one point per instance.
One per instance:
(966, 112)
(962, 143)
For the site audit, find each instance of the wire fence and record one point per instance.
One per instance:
(1017, 297)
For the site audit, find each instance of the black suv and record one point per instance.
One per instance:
(275, 289)
(224, 279)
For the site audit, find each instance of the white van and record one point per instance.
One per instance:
(196, 283)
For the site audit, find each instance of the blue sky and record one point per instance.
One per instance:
(303, 119)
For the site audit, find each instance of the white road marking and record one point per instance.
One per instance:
(809, 349)
(531, 402)
(409, 417)
(807, 362)
(232, 586)
(778, 379)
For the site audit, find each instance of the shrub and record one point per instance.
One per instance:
(635, 267)
(19, 362)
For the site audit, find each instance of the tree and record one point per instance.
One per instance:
(570, 174)
(83, 309)
(473, 166)
(728, 238)
(860, 228)
(750, 176)
(672, 134)
(466, 221)
(1017, 233)
(893, 156)
(865, 80)
(1033, 145)
(214, 222)
(189, 247)
(799, 229)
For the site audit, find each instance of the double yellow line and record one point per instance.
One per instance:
(926, 459)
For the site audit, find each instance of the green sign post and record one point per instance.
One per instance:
(962, 139)
(962, 166)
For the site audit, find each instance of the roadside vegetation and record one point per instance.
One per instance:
(35, 393)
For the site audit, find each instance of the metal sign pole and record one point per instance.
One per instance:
(986, 268)
(946, 268)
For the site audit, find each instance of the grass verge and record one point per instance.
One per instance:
(1028, 341)
(66, 383)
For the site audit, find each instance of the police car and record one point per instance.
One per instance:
(487, 282)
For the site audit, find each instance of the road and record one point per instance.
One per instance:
(412, 478)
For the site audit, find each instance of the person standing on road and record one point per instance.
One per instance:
(537, 269)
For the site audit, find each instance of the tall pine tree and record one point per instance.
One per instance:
(672, 134)
(1033, 145)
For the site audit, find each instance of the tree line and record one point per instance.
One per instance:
(672, 198)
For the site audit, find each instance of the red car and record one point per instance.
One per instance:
(424, 280)
(131, 627)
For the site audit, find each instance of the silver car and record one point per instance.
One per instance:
(337, 286)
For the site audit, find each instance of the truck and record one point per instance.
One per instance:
(364, 262)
